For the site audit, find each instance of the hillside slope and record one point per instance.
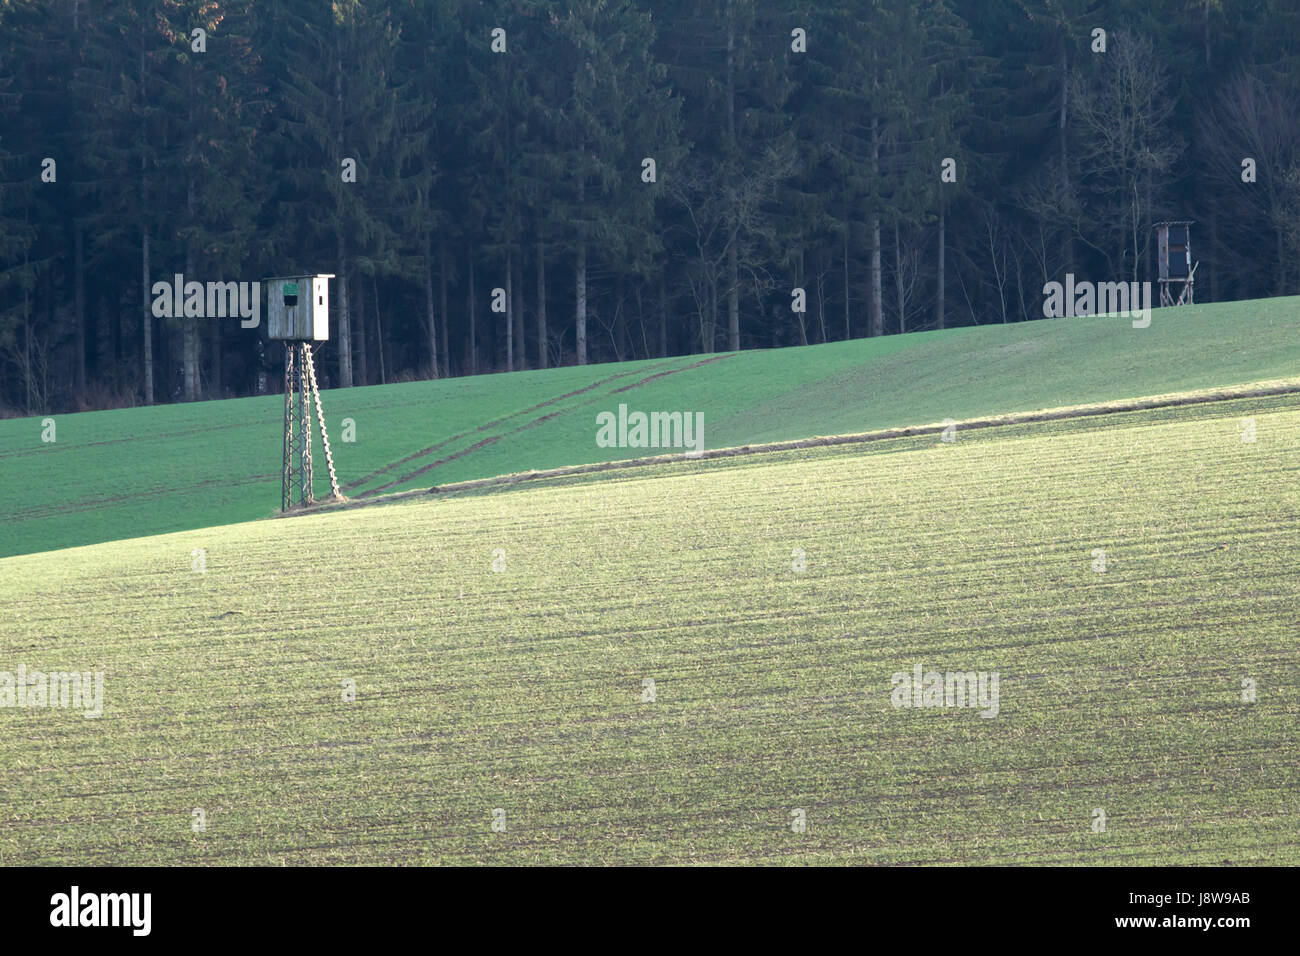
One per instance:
(115, 474)
(499, 646)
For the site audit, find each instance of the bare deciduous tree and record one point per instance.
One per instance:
(1251, 119)
(1124, 149)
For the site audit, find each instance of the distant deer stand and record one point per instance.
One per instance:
(1174, 256)
(299, 321)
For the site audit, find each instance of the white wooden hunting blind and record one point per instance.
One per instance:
(298, 308)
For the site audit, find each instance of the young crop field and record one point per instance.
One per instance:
(117, 474)
(698, 662)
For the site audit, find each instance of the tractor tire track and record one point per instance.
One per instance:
(424, 452)
(533, 423)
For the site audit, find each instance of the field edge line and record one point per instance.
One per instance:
(1262, 389)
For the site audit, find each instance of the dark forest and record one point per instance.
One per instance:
(524, 184)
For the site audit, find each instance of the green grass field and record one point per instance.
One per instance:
(117, 474)
(522, 689)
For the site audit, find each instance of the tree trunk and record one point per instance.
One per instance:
(362, 343)
(110, 316)
(620, 321)
(733, 266)
(379, 330)
(898, 279)
(1281, 260)
(510, 305)
(189, 324)
(431, 324)
(144, 241)
(344, 321)
(521, 340)
(877, 298)
(1062, 130)
(646, 350)
(446, 316)
(190, 340)
(79, 297)
(821, 300)
(148, 318)
(542, 357)
(27, 345)
(215, 382)
(663, 317)
(712, 342)
(1214, 246)
(345, 315)
(581, 320)
(190, 357)
(733, 297)
(167, 353)
(473, 344)
(801, 281)
(939, 316)
(848, 329)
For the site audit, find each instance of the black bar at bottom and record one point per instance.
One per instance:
(366, 906)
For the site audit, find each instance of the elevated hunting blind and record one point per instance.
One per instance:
(1174, 258)
(298, 314)
(298, 308)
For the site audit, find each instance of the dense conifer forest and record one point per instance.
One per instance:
(530, 183)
